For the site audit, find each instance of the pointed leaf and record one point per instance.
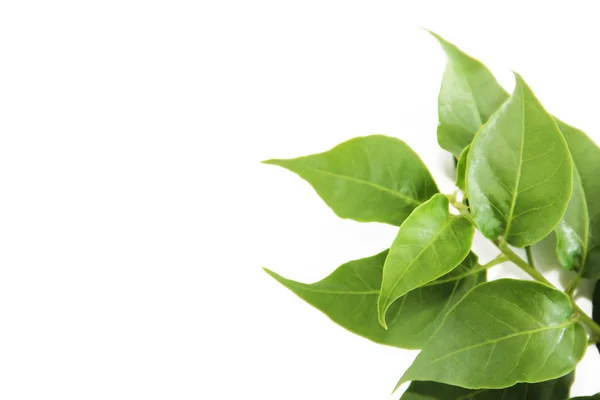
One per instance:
(349, 297)
(502, 333)
(469, 95)
(586, 158)
(572, 233)
(519, 172)
(368, 179)
(461, 168)
(430, 243)
(556, 389)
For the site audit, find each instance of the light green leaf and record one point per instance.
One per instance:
(556, 389)
(461, 168)
(519, 172)
(586, 158)
(349, 297)
(503, 333)
(572, 233)
(368, 179)
(430, 243)
(469, 95)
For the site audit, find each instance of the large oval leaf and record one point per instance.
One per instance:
(430, 243)
(469, 95)
(572, 233)
(556, 389)
(349, 297)
(586, 158)
(503, 333)
(519, 172)
(369, 179)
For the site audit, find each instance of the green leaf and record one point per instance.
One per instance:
(349, 297)
(430, 243)
(519, 172)
(368, 179)
(502, 333)
(556, 389)
(461, 168)
(586, 158)
(469, 95)
(572, 233)
(594, 397)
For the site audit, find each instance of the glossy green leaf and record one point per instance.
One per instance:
(519, 172)
(469, 95)
(430, 243)
(461, 168)
(556, 389)
(369, 179)
(349, 297)
(503, 333)
(572, 233)
(586, 158)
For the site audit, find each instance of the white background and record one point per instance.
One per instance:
(135, 216)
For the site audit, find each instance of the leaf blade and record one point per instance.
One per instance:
(469, 95)
(367, 179)
(556, 389)
(414, 259)
(523, 330)
(348, 298)
(519, 172)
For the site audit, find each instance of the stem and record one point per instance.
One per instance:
(581, 316)
(512, 256)
(590, 323)
(529, 256)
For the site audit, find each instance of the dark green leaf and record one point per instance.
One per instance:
(572, 233)
(469, 95)
(349, 297)
(586, 158)
(430, 243)
(594, 397)
(461, 168)
(369, 179)
(519, 172)
(503, 333)
(556, 389)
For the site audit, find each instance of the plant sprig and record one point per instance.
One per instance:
(522, 174)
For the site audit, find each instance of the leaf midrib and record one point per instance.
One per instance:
(411, 200)
(520, 166)
(493, 341)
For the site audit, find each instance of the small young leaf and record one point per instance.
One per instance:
(461, 168)
(469, 95)
(586, 158)
(503, 333)
(430, 243)
(349, 297)
(368, 179)
(572, 233)
(519, 172)
(556, 389)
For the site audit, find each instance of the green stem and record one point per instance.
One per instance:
(529, 256)
(535, 274)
